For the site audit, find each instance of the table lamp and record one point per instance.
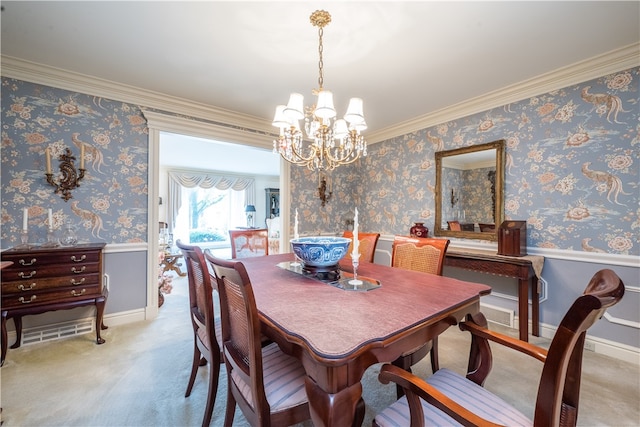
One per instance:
(250, 211)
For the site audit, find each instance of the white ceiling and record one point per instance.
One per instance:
(405, 59)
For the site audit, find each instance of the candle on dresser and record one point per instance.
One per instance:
(25, 220)
(82, 156)
(356, 243)
(50, 219)
(295, 226)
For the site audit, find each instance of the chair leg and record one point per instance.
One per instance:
(214, 374)
(194, 368)
(231, 403)
(435, 363)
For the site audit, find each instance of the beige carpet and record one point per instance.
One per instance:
(138, 378)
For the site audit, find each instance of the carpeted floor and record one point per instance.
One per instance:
(138, 378)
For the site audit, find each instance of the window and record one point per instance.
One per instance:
(206, 215)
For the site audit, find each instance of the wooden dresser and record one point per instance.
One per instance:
(41, 280)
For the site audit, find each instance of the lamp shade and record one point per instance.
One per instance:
(280, 120)
(250, 208)
(325, 108)
(355, 113)
(295, 107)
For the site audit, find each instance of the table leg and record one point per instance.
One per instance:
(331, 410)
(535, 306)
(4, 337)
(523, 309)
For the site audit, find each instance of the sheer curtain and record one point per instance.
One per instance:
(178, 179)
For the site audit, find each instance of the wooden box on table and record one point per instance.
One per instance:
(512, 238)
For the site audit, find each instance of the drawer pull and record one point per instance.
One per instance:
(73, 281)
(22, 288)
(22, 300)
(24, 275)
(82, 258)
(23, 262)
(77, 294)
(73, 269)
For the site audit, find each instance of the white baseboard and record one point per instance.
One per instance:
(598, 345)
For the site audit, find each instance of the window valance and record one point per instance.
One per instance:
(191, 179)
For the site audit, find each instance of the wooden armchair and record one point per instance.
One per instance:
(368, 242)
(454, 225)
(426, 255)
(446, 397)
(249, 242)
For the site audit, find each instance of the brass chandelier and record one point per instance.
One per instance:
(330, 143)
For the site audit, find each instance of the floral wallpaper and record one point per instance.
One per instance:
(572, 170)
(111, 203)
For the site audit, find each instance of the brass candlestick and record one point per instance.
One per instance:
(70, 177)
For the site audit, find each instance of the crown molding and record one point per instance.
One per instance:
(607, 63)
(56, 77)
(598, 66)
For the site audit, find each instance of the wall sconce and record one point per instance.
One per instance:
(70, 177)
(322, 190)
(454, 199)
(250, 210)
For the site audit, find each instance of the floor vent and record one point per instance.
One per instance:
(58, 331)
(498, 315)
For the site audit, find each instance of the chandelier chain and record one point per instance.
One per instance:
(320, 62)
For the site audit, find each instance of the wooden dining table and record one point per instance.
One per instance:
(337, 334)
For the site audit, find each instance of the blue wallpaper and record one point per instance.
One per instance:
(111, 203)
(572, 170)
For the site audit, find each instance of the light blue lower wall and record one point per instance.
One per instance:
(565, 281)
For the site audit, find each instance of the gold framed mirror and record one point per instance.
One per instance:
(470, 191)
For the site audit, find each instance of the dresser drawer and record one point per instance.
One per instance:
(37, 272)
(37, 259)
(34, 298)
(38, 284)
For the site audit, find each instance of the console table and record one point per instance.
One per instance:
(527, 269)
(48, 279)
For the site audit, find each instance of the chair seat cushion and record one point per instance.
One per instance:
(466, 393)
(283, 380)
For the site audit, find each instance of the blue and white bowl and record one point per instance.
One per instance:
(320, 251)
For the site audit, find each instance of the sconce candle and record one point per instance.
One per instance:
(82, 156)
(295, 226)
(48, 156)
(25, 220)
(50, 219)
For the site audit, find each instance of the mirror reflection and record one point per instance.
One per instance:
(469, 182)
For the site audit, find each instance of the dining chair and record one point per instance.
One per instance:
(448, 398)
(454, 225)
(368, 242)
(486, 227)
(273, 225)
(249, 242)
(426, 255)
(267, 384)
(207, 331)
